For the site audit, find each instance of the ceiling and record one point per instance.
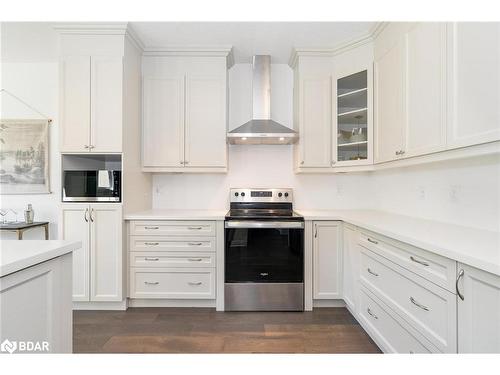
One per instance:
(251, 38)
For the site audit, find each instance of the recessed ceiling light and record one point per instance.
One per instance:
(243, 138)
(282, 138)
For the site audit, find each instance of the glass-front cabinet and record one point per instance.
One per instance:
(352, 136)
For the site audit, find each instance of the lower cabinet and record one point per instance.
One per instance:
(98, 265)
(391, 333)
(478, 311)
(327, 260)
(172, 259)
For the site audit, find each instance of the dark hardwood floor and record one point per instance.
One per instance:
(203, 330)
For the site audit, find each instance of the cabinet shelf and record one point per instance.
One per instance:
(352, 93)
(346, 145)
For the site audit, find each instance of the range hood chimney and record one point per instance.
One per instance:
(261, 129)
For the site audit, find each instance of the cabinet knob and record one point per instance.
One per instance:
(85, 146)
(302, 162)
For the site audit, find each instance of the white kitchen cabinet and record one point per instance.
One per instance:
(327, 260)
(205, 144)
(98, 265)
(389, 103)
(425, 87)
(474, 83)
(35, 306)
(106, 253)
(91, 104)
(106, 104)
(350, 255)
(478, 311)
(315, 124)
(184, 113)
(75, 226)
(352, 138)
(75, 103)
(163, 122)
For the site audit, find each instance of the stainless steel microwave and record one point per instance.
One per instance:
(91, 186)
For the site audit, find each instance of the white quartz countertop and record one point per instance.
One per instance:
(18, 255)
(178, 215)
(475, 247)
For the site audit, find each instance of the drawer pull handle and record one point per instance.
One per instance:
(419, 261)
(151, 243)
(195, 259)
(195, 283)
(370, 271)
(460, 275)
(151, 259)
(195, 228)
(412, 300)
(195, 243)
(151, 227)
(151, 283)
(370, 313)
(372, 241)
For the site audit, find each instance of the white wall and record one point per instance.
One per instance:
(29, 69)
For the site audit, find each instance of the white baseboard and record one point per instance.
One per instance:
(170, 303)
(328, 303)
(121, 305)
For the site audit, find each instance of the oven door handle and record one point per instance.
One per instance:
(265, 224)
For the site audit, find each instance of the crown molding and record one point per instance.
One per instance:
(193, 50)
(101, 28)
(340, 48)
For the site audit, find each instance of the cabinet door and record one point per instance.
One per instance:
(351, 260)
(75, 103)
(474, 83)
(106, 104)
(106, 256)
(163, 122)
(75, 227)
(478, 312)
(205, 121)
(315, 101)
(327, 260)
(389, 121)
(425, 89)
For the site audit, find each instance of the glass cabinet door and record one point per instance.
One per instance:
(352, 118)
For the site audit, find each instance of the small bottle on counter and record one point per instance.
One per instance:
(29, 214)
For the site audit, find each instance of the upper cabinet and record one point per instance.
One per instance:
(436, 88)
(91, 103)
(474, 89)
(410, 97)
(185, 112)
(333, 109)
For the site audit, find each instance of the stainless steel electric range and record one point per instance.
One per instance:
(264, 252)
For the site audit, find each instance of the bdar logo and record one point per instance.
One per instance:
(8, 346)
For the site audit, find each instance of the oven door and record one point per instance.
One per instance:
(264, 251)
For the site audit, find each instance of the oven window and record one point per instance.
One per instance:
(264, 255)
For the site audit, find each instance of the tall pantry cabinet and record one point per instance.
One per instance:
(100, 83)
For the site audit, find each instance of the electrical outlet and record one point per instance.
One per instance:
(421, 192)
(455, 193)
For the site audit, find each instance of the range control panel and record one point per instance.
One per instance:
(284, 195)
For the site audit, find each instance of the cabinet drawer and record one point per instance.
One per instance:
(177, 244)
(174, 283)
(172, 259)
(425, 306)
(173, 228)
(392, 335)
(432, 267)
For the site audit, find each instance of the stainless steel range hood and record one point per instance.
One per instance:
(261, 129)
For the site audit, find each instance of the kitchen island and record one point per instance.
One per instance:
(35, 296)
